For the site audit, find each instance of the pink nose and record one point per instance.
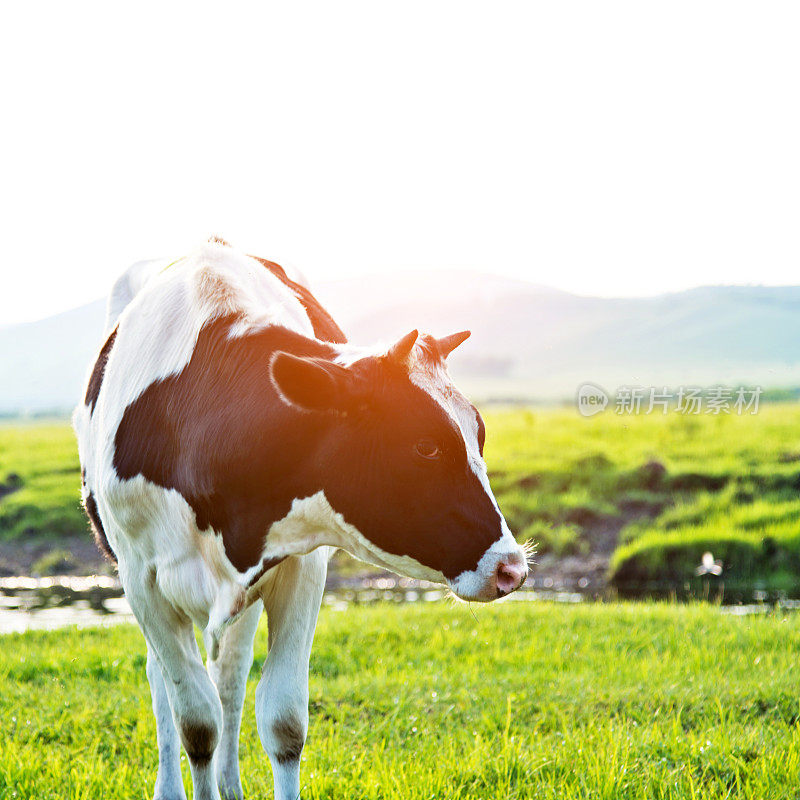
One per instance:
(510, 575)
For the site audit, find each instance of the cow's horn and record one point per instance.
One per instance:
(449, 343)
(400, 351)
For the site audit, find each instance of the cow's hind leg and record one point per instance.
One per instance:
(192, 696)
(292, 603)
(229, 673)
(169, 782)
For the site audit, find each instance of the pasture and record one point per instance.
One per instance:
(514, 700)
(39, 481)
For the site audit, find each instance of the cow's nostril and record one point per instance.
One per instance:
(509, 577)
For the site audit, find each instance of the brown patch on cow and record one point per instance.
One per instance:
(199, 741)
(96, 380)
(291, 737)
(151, 577)
(100, 538)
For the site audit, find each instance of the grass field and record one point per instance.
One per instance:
(40, 476)
(675, 486)
(514, 700)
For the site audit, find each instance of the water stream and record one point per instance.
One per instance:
(49, 603)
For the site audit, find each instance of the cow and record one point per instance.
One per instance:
(231, 439)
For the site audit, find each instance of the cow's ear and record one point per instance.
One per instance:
(311, 383)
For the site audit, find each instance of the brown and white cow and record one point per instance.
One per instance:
(231, 440)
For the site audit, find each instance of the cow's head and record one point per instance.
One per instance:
(401, 459)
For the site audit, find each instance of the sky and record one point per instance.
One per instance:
(610, 148)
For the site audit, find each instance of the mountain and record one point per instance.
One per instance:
(43, 365)
(532, 342)
(528, 341)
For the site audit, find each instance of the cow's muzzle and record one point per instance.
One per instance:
(501, 570)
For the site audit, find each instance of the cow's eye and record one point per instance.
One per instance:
(427, 448)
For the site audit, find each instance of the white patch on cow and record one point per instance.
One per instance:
(155, 527)
(312, 522)
(128, 285)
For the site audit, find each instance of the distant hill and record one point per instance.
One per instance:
(533, 342)
(529, 341)
(43, 364)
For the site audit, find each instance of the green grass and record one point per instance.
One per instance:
(40, 460)
(550, 463)
(514, 700)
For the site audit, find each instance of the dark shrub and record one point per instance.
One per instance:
(697, 481)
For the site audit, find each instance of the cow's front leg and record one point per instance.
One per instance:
(193, 698)
(229, 673)
(292, 603)
(169, 782)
